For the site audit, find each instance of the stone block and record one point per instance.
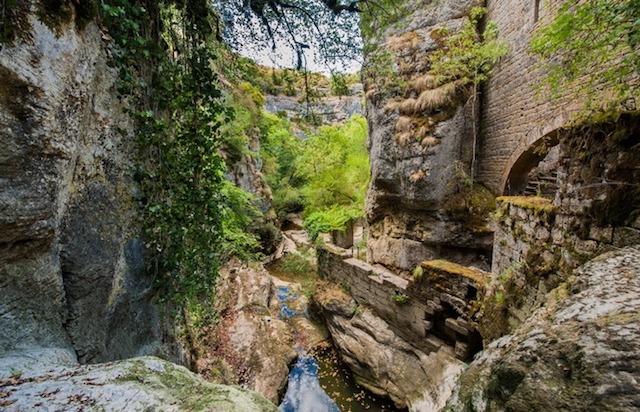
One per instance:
(557, 236)
(428, 325)
(461, 350)
(343, 238)
(433, 343)
(585, 247)
(601, 234)
(542, 233)
(456, 327)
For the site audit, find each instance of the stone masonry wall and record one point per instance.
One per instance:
(513, 116)
(538, 245)
(432, 309)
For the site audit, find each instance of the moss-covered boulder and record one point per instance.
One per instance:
(49, 379)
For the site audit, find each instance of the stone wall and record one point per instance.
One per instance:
(432, 309)
(513, 115)
(570, 353)
(539, 241)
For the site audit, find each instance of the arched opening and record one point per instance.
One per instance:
(534, 173)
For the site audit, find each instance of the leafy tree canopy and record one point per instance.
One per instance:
(593, 45)
(328, 26)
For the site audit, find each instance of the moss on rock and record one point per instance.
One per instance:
(138, 384)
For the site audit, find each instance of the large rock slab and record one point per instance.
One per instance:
(580, 352)
(383, 362)
(253, 340)
(54, 382)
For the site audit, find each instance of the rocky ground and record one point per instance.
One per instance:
(263, 320)
(579, 352)
(51, 380)
(381, 361)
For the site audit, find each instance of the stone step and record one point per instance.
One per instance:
(456, 326)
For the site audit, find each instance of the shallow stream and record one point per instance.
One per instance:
(319, 381)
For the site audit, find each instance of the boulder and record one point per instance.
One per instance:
(254, 341)
(579, 352)
(55, 382)
(383, 362)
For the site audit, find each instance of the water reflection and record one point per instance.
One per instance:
(319, 381)
(304, 392)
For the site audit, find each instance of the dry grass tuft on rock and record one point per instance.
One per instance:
(407, 43)
(423, 83)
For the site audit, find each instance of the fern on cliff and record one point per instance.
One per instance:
(465, 56)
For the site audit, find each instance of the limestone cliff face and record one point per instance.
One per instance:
(420, 148)
(328, 110)
(71, 262)
(246, 173)
(384, 362)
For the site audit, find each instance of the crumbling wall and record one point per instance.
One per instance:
(434, 308)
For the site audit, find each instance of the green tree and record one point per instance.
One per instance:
(590, 46)
(335, 165)
(193, 218)
(279, 150)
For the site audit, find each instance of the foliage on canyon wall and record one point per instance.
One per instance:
(166, 53)
(324, 175)
(578, 46)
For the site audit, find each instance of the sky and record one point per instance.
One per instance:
(247, 36)
(285, 57)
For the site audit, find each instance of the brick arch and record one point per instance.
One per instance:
(524, 157)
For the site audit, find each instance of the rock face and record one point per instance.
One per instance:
(247, 174)
(579, 352)
(255, 343)
(419, 156)
(138, 384)
(71, 265)
(384, 363)
(329, 110)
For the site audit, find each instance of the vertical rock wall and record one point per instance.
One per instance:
(71, 263)
(420, 153)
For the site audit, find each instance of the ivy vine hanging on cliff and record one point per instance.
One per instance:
(165, 54)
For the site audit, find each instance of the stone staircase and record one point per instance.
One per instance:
(544, 184)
